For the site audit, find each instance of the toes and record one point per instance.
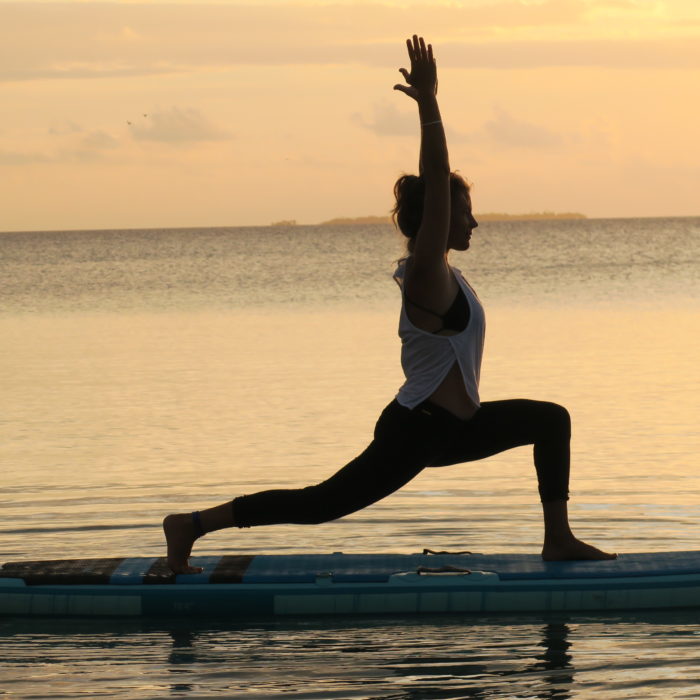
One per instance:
(191, 570)
(185, 569)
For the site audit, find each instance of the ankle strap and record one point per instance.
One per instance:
(197, 522)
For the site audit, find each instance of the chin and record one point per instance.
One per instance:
(460, 245)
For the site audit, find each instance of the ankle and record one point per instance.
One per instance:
(216, 518)
(557, 539)
(556, 522)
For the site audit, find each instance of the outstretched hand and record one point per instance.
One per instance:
(422, 80)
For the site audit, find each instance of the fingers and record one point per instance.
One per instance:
(423, 73)
(417, 50)
(418, 47)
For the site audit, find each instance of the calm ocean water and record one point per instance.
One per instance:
(149, 371)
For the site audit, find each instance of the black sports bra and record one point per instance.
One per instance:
(456, 318)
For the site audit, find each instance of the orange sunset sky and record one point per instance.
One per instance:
(247, 113)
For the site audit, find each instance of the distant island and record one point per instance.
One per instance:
(533, 216)
(342, 221)
(488, 216)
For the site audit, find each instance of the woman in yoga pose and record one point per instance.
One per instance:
(437, 418)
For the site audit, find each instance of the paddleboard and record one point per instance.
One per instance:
(234, 586)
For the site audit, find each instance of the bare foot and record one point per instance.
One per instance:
(180, 535)
(573, 550)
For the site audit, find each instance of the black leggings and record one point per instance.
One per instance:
(406, 441)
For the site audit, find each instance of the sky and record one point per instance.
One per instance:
(154, 114)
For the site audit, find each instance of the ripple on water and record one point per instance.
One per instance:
(620, 657)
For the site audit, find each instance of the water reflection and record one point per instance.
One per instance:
(383, 659)
(555, 661)
(480, 669)
(437, 657)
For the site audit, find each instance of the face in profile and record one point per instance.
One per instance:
(462, 222)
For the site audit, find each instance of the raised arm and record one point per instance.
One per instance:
(429, 262)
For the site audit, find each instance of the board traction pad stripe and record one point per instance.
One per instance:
(62, 571)
(346, 568)
(159, 573)
(123, 571)
(231, 568)
(131, 571)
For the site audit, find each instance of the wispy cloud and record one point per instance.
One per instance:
(67, 141)
(176, 126)
(387, 119)
(24, 158)
(510, 132)
(65, 127)
(70, 142)
(501, 129)
(583, 53)
(98, 141)
(102, 40)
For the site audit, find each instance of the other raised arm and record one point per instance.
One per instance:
(429, 266)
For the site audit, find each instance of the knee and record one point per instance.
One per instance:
(557, 418)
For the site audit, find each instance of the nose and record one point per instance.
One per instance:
(474, 222)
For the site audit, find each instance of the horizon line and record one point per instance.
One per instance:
(199, 227)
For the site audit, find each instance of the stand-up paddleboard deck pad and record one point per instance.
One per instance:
(303, 584)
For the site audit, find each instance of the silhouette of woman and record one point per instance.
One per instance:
(437, 417)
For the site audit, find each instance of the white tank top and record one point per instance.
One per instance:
(426, 358)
